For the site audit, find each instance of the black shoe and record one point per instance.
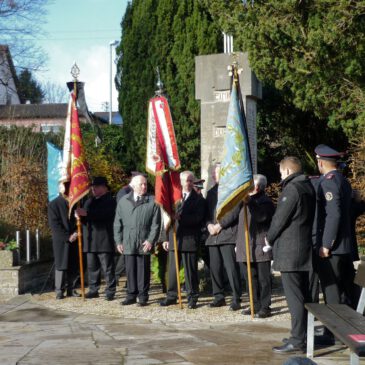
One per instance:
(91, 295)
(59, 296)
(166, 302)
(73, 293)
(217, 303)
(288, 348)
(109, 297)
(235, 306)
(263, 313)
(142, 304)
(192, 305)
(128, 301)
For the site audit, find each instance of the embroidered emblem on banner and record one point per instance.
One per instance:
(329, 196)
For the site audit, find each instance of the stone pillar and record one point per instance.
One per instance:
(212, 88)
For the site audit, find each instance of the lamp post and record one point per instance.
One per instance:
(111, 45)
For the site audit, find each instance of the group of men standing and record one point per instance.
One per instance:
(308, 236)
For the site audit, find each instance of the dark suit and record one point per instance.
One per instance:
(222, 249)
(65, 253)
(290, 234)
(99, 242)
(188, 229)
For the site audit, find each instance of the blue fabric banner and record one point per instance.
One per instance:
(235, 179)
(54, 162)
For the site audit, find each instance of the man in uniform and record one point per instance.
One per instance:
(188, 226)
(334, 238)
(97, 217)
(290, 234)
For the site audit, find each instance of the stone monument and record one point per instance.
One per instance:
(212, 88)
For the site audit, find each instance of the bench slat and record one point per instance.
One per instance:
(350, 316)
(338, 326)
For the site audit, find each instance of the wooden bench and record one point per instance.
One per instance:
(346, 324)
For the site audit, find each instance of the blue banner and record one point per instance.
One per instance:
(235, 179)
(54, 162)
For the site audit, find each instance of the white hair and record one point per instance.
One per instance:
(260, 181)
(185, 174)
(135, 179)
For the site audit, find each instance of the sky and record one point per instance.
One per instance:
(81, 31)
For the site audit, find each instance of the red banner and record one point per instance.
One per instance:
(79, 176)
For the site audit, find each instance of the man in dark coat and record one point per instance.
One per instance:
(65, 249)
(136, 230)
(188, 229)
(334, 231)
(260, 212)
(97, 218)
(221, 243)
(290, 234)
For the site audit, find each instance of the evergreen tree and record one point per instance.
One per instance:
(313, 51)
(167, 34)
(29, 89)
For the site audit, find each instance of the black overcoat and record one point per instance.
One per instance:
(290, 231)
(98, 224)
(65, 253)
(228, 223)
(188, 227)
(259, 213)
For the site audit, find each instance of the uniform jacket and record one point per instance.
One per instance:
(260, 211)
(290, 232)
(98, 224)
(228, 223)
(136, 222)
(334, 213)
(65, 253)
(188, 227)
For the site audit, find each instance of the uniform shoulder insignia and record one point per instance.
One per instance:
(330, 176)
(329, 196)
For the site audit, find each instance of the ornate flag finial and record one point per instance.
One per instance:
(75, 71)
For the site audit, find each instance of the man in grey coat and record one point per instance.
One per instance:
(136, 230)
(290, 234)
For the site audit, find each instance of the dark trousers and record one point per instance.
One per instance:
(66, 280)
(97, 261)
(138, 268)
(296, 290)
(337, 274)
(119, 266)
(190, 263)
(224, 257)
(314, 279)
(261, 284)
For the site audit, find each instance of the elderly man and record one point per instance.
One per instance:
(136, 230)
(290, 234)
(221, 243)
(188, 226)
(260, 212)
(64, 250)
(97, 217)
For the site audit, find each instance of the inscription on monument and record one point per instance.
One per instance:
(219, 132)
(222, 95)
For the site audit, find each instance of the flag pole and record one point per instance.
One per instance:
(177, 267)
(75, 72)
(248, 260)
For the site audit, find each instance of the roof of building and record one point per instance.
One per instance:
(22, 111)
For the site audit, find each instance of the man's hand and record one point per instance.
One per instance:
(165, 245)
(217, 228)
(80, 212)
(120, 248)
(147, 246)
(73, 237)
(211, 229)
(324, 252)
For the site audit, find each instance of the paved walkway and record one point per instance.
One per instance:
(32, 334)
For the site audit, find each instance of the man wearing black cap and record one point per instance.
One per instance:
(334, 241)
(97, 218)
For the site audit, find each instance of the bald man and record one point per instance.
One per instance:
(136, 230)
